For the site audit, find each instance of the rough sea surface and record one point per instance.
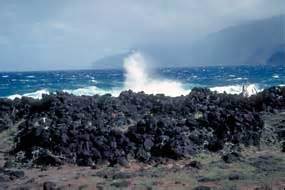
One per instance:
(177, 80)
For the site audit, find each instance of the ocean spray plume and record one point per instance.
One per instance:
(138, 78)
(246, 90)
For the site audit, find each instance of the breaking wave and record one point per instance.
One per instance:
(247, 90)
(137, 78)
(36, 95)
(148, 89)
(91, 91)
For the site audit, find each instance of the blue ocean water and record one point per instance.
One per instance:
(91, 82)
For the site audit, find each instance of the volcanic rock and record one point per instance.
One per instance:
(88, 130)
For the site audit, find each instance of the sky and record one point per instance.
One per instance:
(72, 34)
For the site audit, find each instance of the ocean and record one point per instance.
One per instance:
(138, 77)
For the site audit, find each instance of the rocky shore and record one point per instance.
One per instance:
(62, 129)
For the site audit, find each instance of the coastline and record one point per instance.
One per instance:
(138, 130)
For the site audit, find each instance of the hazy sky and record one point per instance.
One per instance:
(71, 34)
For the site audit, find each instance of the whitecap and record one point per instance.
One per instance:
(22, 80)
(30, 76)
(237, 79)
(36, 95)
(247, 90)
(91, 91)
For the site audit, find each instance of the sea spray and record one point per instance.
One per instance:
(36, 95)
(246, 90)
(137, 78)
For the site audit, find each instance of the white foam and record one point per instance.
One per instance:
(30, 76)
(5, 76)
(91, 91)
(138, 79)
(36, 95)
(247, 90)
(275, 76)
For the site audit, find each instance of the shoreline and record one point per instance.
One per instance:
(136, 129)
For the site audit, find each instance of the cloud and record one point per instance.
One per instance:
(77, 33)
(3, 40)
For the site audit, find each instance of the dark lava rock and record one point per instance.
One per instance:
(4, 178)
(121, 184)
(281, 133)
(100, 187)
(45, 158)
(123, 175)
(264, 187)
(231, 157)
(11, 174)
(123, 162)
(194, 164)
(16, 174)
(202, 188)
(234, 177)
(208, 179)
(267, 163)
(49, 185)
(87, 130)
(82, 187)
(23, 188)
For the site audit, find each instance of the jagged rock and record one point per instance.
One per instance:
(202, 188)
(194, 164)
(87, 130)
(231, 157)
(44, 157)
(234, 176)
(11, 174)
(49, 185)
(4, 178)
(120, 184)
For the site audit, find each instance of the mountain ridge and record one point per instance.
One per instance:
(249, 43)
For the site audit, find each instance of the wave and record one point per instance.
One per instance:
(237, 79)
(137, 79)
(87, 91)
(247, 90)
(91, 91)
(36, 95)
(31, 76)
